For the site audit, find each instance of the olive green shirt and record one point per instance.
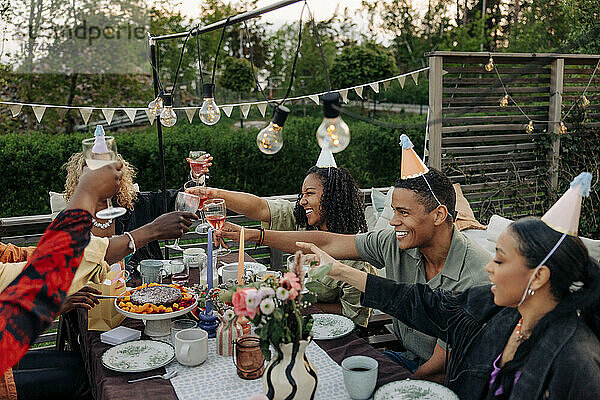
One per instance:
(331, 291)
(464, 267)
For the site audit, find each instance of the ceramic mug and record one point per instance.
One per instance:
(360, 376)
(193, 257)
(191, 346)
(152, 271)
(230, 273)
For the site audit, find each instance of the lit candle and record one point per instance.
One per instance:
(240, 275)
(209, 266)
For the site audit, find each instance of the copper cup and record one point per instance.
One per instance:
(248, 357)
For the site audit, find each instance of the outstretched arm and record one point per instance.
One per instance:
(246, 204)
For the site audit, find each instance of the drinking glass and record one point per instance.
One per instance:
(95, 158)
(184, 202)
(188, 187)
(197, 166)
(215, 212)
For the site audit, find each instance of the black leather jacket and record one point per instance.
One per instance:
(565, 363)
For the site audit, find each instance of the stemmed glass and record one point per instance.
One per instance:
(215, 212)
(197, 166)
(97, 157)
(191, 188)
(184, 202)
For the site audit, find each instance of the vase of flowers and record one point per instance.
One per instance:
(274, 306)
(227, 332)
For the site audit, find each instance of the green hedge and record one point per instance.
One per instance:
(32, 163)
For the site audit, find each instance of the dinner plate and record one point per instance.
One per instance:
(410, 389)
(138, 356)
(331, 326)
(254, 267)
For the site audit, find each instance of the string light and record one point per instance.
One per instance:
(333, 134)
(156, 105)
(504, 101)
(209, 113)
(562, 128)
(489, 67)
(270, 139)
(529, 127)
(168, 117)
(584, 102)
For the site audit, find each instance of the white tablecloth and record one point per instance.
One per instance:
(217, 378)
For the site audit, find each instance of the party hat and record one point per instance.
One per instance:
(100, 142)
(412, 165)
(326, 159)
(563, 216)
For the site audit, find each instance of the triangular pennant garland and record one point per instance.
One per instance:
(358, 91)
(190, 113)
(15, 109)
(344, 94)
(444, 72)
(386, 85)
(415, 77)
(245, 108)
(375, 86)
(150, 115)
(109, 113)
(262, 107)
(401, 80)
(227, 110)
(39, 112)
(62, 112)
(130, 113)
(315, 98)
(86, 113)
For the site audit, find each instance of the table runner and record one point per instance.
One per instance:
(217, 378)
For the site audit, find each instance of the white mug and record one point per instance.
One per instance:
(191, 346)
(360, 376)
(193, 256)
(230, 272)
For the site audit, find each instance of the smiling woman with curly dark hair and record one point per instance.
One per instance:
(330, 201)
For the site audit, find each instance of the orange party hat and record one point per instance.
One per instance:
(412, 165)
(563, 216)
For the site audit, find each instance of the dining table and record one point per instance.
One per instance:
(110, 385)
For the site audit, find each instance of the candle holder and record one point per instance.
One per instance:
(209, 322)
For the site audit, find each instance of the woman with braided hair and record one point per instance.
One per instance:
(330, 201)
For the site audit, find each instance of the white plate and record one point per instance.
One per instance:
(414, 389)
(138, 356)
(254, 267)
(331, 326)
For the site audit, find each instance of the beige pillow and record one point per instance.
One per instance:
(57, 203)
(465, 218)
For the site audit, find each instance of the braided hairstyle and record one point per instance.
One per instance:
(341, 205)
(574, 282)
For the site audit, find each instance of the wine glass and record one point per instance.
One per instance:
(189, 187)
(215, 212)
(197, 166)
(184, 202)
(97, 155)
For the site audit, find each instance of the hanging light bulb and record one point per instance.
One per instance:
(156, 105)
(489, 67)
(584, 102)
(562, 128)
(168, 117)
(504, 101)
(209, 113)
(333, 134)
(270, 139)
(529, 127)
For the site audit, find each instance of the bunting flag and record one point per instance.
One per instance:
(375, 86)
(344, 94)
(109, 113)
(227, 110)
(415, 77)
(150, 115)
(86, 113)
(358, 91)
(190, 113)
(386, 85)
(401, 80)
(62, 112)
(39, 112)
(15, 109)
(262, 107)
(130, 113)
(245, 108)
(315, 98)
(444, 72)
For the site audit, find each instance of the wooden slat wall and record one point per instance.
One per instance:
(502, 169)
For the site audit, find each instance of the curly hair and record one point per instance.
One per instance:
(126, 195)
(341, 205)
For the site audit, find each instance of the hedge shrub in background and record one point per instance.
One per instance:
(32, 163)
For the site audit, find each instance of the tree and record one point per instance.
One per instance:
(237, 77)
(361, 64)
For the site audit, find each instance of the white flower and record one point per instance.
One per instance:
(252, 298)
(266, 291)
(282, 293)
(228, 315)
(267, 306)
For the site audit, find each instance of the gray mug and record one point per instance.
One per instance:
(360, 376)
(152, 271)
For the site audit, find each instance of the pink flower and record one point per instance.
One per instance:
(239, 303)
(291, 282)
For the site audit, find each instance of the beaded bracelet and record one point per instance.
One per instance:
(261, 238)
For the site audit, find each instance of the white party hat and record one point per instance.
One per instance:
(326, 159)
(563, 216)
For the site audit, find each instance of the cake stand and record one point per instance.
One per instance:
(157, 324)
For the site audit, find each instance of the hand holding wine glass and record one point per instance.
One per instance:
(215, 212)
(199, 162)
(184, 202)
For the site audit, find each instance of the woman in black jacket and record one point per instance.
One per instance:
(534, 333)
